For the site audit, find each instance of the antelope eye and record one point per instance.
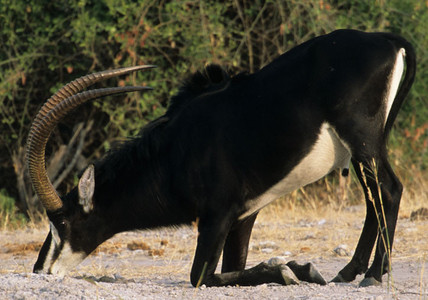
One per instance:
(62, 225)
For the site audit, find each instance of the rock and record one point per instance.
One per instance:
(107, 279)
(268, 244)
(321, 222)
(277, 260)
(267, 250)
(309, 237)
(419, 214)
(265, 247)
(342, 250)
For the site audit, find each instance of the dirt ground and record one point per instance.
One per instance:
(156, 264)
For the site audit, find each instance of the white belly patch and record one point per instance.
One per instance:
(327, 154)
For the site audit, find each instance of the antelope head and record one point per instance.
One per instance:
(73, 235)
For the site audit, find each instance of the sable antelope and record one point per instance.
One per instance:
(227, 147)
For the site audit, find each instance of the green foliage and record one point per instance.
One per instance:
(9, 217)
(45, 44)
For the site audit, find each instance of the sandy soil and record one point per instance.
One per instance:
(155, 264)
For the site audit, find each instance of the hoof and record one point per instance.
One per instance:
(370, 281)
(338, 279)
(307, 272)
(288, 275)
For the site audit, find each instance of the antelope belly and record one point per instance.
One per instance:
(329, 152)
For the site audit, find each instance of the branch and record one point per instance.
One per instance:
(77, 154)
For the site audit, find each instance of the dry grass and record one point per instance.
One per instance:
(329, 210)
(305, 225)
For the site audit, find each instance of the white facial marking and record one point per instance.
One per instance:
(54, 232)
(328, 153)
(49, 254)
(396, 74)
(67, 260)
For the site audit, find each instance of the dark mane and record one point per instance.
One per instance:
(142, 149)
(211, 78)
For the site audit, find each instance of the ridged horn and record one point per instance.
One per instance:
(55, 108)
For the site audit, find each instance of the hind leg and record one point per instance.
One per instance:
(387, 205)
(382, 190)
(360, 260)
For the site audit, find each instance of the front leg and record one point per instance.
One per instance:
(235, 249)
(262, 273)
(285, 274)
(213, 231)
(212, 236)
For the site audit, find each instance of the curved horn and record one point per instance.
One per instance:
(55, 108)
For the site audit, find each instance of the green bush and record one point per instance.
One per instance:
(45, 44)
(9, 216)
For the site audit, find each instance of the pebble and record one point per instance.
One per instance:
(277, 260)
(267, 250)
(342, 250)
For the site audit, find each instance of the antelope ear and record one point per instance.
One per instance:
(86, 189)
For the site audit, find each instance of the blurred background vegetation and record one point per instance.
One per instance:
(45, 44)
